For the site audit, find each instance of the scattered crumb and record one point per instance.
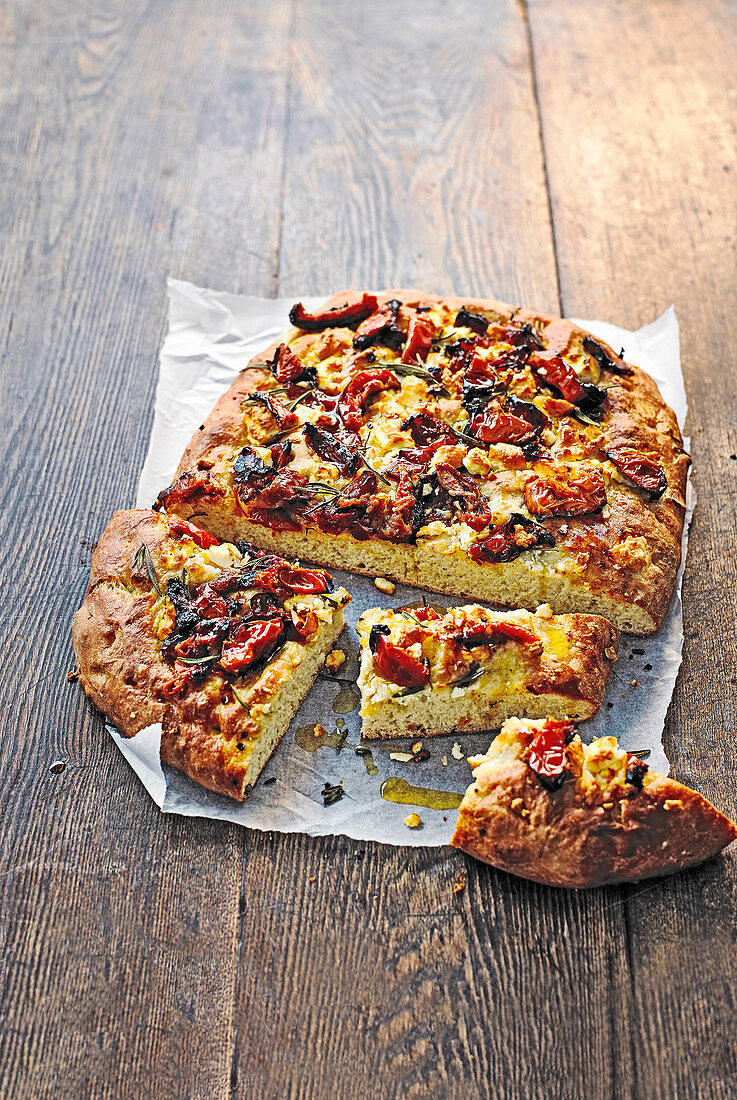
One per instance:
(413, 821)
(73, 676)
(420, 755)
(312, 879)
(416, 746)
(271, 779)
(320, 731)
(402, 757)
(610, 653)
(444, 761)
(516, 803)
(459, 883)
(544, 611)
(635, 683)
(383, 585)
(456, 752)
(335, 660)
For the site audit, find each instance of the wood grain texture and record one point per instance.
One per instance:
(120, 128)
(637, 106)
(297, 147)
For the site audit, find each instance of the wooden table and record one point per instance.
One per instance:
(573, 156)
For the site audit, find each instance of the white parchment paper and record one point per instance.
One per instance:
(211, 336)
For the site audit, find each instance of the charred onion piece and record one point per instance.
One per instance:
(604, 359)
(380, 328)
(426, 428)
(475, 321)
(250, 467)
(643, 471)
(338, 317)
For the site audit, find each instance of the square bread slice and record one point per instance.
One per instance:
(545, 806)
(429, 673)
(457, 445)
(219, 643)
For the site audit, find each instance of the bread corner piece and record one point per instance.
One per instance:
(548, 808)
(219, 643)
(427, 671)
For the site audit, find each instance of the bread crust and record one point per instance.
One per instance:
(564, 675)
(565, 838)
(625, 562)
(123, 673)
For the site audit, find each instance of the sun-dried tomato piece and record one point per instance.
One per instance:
(185, 529)
(332, 449)
(358, 392)
(305, 581)
(185, 489)
(400, 522)
(475, 321)
(496, 633)
(176, 687)
(396, 664)
(426, 428)
(554, 372)
(495, 425)
(338, 317)
(289, 368)
(481, 382)
(380, 328)
(251, 643)
(283, 416)
(419, 339)
(639, 468)
(547, 753)
(281, 454)
(604, 359)
(463, 487)
(507, 543)
(572, 491)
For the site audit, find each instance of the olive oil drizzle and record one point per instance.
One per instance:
(399, 790)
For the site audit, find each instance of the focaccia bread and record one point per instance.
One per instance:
(549, 808)
(218, 643)
(427, 673)
(457, 445)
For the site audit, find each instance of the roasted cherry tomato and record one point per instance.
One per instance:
(493, 633)
(397, 665)
(358, 391)
(251, 642)
(304, 581)
(547, 753)
(182, 527)
(643, 471)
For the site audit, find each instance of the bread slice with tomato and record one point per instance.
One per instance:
(547, 807)
(218, 643)
(427, 670)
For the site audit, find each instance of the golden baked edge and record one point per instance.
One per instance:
(122, 671)
(588, 832)
(639, 418)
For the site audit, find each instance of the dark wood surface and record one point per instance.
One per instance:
(566, 155)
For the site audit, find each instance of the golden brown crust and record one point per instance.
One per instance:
(121, 668)
(566, 838)
(625, 562)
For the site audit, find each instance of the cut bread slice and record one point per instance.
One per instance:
(549, 808)
(427, 673)
(218, 643)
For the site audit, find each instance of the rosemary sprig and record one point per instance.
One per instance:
(642, 754)
(412, 690)
(373, 470)
(143, 557)
(415, 370)
(473, 673)
(471, 440)
(199, 660)
(409, 615)
(239, 700)
(293, 404)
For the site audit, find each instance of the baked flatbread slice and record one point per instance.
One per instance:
(427, 671)
(548, 808)
(219, 643)
(457, 445)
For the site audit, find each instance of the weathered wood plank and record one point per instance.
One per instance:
(413, 157)
(135, 139)
(638, 118)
